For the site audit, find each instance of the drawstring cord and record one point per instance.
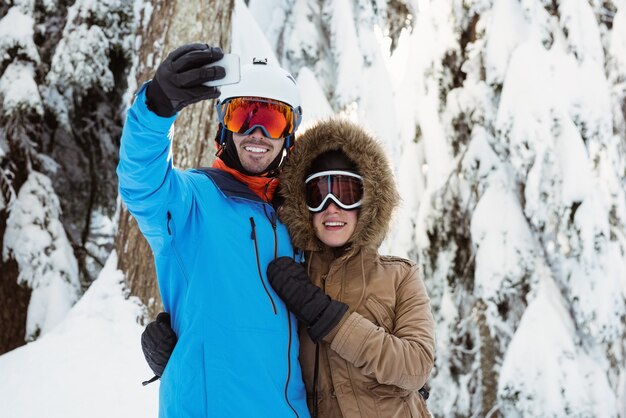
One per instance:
(147, 382)
(317, 352)
(315, 375)
(308, 266)
(362, 284)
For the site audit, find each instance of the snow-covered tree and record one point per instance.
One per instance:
(522, 233)
(61, 81)
(36, 240)
(505, 122)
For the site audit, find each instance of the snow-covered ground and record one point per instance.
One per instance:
(90, 365)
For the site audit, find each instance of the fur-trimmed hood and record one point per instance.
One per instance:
(380, 193)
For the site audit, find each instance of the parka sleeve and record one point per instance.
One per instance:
(147, 180)
(403, 358)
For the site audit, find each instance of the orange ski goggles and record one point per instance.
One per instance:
(243, 115)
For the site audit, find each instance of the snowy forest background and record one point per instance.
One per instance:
(506, 124)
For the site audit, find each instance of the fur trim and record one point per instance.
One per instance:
(380, 193)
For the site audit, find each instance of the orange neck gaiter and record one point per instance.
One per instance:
(264, 187)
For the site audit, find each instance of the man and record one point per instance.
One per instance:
(213, 232)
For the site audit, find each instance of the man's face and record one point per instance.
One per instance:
(256, 151)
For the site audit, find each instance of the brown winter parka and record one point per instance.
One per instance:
(374, 362)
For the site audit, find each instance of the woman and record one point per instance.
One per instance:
(369, 314)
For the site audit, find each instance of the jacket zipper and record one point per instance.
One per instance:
(174, 249)
(258, 264)
(273, 222)
(272, 219)
(289, 366)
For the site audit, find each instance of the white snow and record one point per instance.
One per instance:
(18, 87)
(248, 40)
(35, 238)
(544, 365)
(90, 365)
(80, 60)
(346, 52)
(502, 243)
(314, 103)
(506, 29)
(618, 41)
(16, 30)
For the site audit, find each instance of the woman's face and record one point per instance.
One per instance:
(334, 226)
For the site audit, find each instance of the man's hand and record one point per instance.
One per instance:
(178, 79)
(308, 302)
(157, 342)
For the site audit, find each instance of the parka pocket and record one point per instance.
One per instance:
(388, 391)
(391, 401)
(181, 386)
(380, 314)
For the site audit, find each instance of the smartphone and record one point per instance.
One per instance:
(230, 62)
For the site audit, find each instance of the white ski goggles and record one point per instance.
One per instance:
(342, 187)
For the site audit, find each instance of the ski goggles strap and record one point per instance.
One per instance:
(243, 115)
(342, 187)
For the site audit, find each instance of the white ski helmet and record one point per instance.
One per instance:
(261, 79)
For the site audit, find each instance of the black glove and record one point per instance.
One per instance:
(178, 80)
(157, 342)
(308, 302)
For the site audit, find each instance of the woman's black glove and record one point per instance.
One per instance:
(178, 79)
(308, 302)
(157, 342)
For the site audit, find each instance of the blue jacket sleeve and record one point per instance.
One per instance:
(147, 179)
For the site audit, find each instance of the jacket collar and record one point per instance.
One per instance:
(229, 185)
(262, 187)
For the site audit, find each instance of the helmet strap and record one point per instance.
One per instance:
(289, 143)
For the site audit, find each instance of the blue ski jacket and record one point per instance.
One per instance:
(212, 239)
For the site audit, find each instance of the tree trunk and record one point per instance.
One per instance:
(15, 307)
(172, 24)
(14, 296)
